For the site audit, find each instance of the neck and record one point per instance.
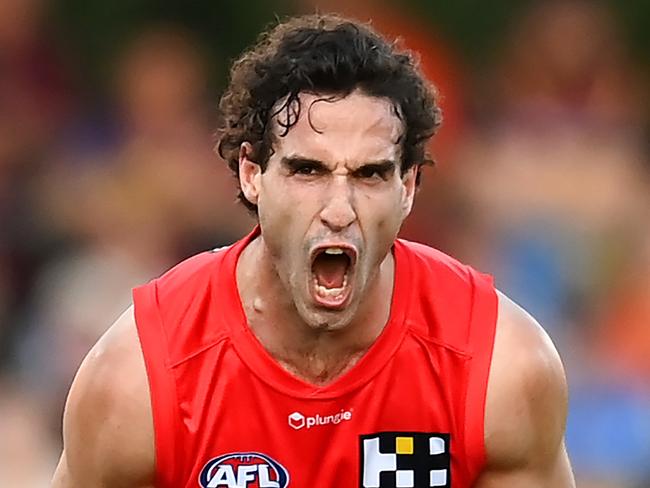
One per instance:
(315, 355)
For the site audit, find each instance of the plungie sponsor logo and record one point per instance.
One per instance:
(298, 420)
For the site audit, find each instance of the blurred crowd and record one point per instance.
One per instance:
(542, 179)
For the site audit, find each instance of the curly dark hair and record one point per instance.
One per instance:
(323, 54)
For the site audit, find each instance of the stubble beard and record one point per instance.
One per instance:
(321, 320)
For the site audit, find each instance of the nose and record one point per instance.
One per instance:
(338, 211)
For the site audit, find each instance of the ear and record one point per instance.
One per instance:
(408, 194)
(250, 174)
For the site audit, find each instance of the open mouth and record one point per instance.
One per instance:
(332, 269)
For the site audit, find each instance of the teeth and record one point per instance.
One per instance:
(334, 250)
(331, 292)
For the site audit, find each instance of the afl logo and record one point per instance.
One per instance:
(244, 470)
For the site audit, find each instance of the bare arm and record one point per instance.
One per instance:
(107, 425)
(526, 407)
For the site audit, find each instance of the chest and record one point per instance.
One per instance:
(401, 428)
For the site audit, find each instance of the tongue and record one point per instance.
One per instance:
(330, 270)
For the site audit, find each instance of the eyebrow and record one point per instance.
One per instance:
(293, 163)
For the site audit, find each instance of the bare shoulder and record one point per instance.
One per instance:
(526, 406)
(108, 426)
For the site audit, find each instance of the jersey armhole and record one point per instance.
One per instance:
(482, 330)
(162, 386)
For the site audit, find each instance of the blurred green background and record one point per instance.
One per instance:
(95, 31)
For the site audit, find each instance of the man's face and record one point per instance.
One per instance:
(331, 202)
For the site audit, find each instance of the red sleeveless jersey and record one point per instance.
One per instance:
(408, 414)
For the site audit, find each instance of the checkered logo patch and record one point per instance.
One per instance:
(404, 460)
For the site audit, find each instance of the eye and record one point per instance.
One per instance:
(370, 172)
(373, 172)
(306, 169)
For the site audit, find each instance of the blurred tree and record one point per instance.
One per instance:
(97, 31)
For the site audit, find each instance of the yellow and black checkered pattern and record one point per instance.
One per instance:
(404, 460)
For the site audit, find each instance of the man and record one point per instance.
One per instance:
(320, 351)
